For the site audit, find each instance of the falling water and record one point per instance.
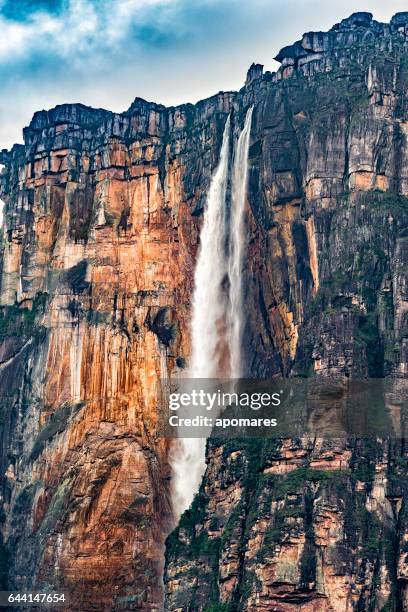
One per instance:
(237, 246)
(212, 308)
(208, 311)
(209, 300)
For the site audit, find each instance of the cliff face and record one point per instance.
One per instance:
(97, 264)
(102, 219)
(315, 524)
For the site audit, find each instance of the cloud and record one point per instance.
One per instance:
(81, 27)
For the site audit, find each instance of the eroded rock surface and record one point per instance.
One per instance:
(97, 260)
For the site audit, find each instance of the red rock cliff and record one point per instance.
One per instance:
(97, 262)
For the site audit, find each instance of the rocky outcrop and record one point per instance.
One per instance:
(352, 41)
(289, 525)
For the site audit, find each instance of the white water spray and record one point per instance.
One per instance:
(213, 310)
(209, 299)
(208, 310)
(238, 246)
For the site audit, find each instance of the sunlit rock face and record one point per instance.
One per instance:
(97, 262)
(102, 218)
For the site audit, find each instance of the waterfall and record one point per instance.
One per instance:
(237, 246)
(216, 326)
(208, 311)
(211, 268)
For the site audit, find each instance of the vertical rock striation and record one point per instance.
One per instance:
(98, 253)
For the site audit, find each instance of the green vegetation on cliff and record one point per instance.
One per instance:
(20, 321)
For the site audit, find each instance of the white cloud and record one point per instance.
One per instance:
(81, 27)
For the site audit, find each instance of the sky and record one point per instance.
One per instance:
(104, 53)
